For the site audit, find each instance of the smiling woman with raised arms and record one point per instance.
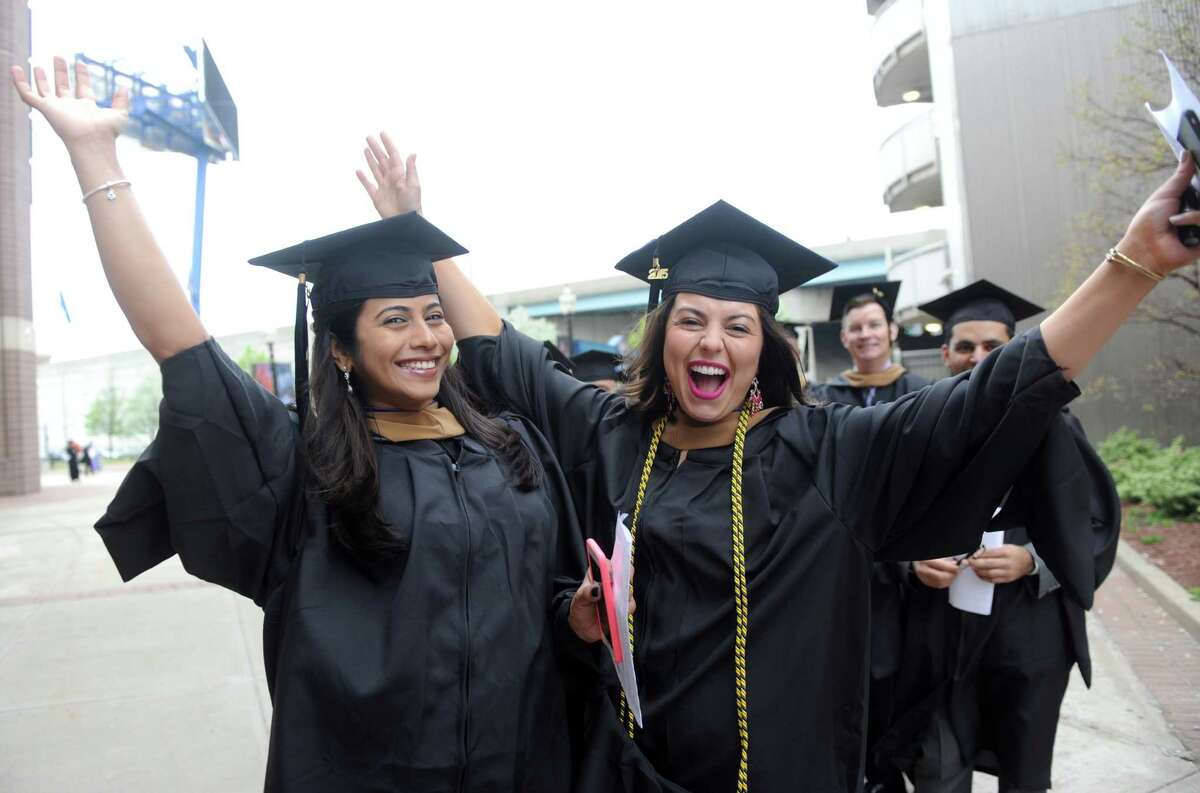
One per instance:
(413, 556)
(756, 516)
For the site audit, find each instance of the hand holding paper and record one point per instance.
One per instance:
(971, 593)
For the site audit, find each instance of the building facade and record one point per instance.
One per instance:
(19, 470)
(67, 389)
(981, 101)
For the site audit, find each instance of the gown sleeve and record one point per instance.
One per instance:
(215, 484)
(918, 478)
(514, 372)
(1075, 519)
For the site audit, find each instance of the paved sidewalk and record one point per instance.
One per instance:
(157, 685)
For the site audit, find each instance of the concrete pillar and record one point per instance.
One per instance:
(19, 464)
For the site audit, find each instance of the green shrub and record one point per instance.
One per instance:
(1125, 452)
(1146, 473)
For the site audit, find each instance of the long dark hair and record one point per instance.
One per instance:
(778, 365)
(341, 453)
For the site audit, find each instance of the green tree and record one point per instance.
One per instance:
(106, 416)
(534, 327)
(250, 356)
(1123, 160)
(141, 409)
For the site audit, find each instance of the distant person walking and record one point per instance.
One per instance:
(73, 460)
(86, 459)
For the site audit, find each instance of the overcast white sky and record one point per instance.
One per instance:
(553, 137)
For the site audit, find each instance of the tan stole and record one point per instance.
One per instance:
(874, 379)
(430, 424)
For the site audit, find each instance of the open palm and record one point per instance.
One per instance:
(74, 115)
(393, 185)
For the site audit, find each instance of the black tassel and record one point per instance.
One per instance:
(301, 359)
(655, 298)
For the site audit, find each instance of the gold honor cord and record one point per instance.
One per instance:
(647, 467)
(741, 593)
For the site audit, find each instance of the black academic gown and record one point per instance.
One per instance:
(840, 391)
(827, 490)
(435, 672)
(887, 589)
(996, 681)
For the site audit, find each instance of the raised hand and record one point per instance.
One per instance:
(1150, 239)
(74, 115)
(393, 185)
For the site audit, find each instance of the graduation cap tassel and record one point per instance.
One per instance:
(301, 344)
(657, 277)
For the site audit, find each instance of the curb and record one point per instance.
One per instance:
(1169, 594)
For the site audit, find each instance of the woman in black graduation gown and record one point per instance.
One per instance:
(403, 546)
(756, 516)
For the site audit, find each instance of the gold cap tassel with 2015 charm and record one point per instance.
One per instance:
(741, 595)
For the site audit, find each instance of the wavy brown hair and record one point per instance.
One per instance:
(341, 452)
(646, 377)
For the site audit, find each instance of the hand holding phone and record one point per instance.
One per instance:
(606, 614)
(1189, 138)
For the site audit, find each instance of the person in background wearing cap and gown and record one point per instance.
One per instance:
(868, 332)
(755, 516)
(985, 690)
(598, 367)
(414, 558)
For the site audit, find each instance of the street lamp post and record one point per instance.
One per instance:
(566, 305)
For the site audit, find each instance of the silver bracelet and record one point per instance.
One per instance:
(111, 195)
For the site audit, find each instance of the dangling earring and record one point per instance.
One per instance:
(346, 375)
(670, 398)
(755, 397)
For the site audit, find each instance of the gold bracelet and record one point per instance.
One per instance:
(111, 194)
(1115, 255)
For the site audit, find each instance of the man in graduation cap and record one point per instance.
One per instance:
(984, 681)
(868, 331)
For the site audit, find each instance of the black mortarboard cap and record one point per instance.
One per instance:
(593, 365)
(388, 258)
(981, 300)
(882, 292)
(725, 254)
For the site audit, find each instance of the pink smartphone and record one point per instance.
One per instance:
(605, 611)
